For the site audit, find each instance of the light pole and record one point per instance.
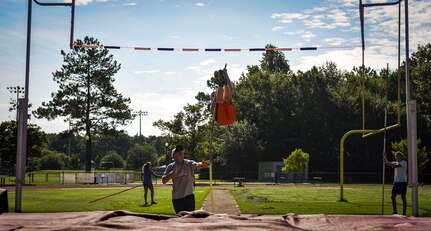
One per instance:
(69, 139)
(166, 151)
(140, 114)
(88, 153)
(18, 90)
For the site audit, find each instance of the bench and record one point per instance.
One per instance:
(317, 179)
(240, 180)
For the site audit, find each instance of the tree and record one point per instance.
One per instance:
(114, 158)
(65, 142)
(421, 81)
(139, 155)
(240, 148)
(36, 142)
(74, 162)
(190, 127)
(53, 160)
(87, 96)
(422, 152)
(274, 61)
(296, 162)
(111, 140)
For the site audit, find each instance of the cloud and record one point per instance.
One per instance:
(308, 35)
(294, 32)
(171, 73)
(350, 3)
(200, 4)
(288, 17)
(276, 28)
(330, 20)
(321, 17)
(381, 25)
(335, 41)
(159, 106)
(85, 2)
(79, 2)
(347, 59)
(130, 4)
(230, 38)
(314, 10)
(207, 62)
(339, 18)
(145, 72)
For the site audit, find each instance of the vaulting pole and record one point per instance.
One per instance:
(211, 165)
(384, 140)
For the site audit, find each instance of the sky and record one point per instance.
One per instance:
(163, 82)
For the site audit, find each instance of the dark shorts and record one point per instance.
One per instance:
(225, 114)
(148, 186)
(399, 188)
(184, 204)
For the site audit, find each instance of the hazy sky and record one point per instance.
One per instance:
(163, 82)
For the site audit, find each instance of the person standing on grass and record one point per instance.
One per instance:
(400, 180)
(181, 171)
(147, 174)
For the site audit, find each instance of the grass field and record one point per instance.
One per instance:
(361, 200)
(252, 199)
(78, 199)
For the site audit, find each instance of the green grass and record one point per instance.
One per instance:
(78, 199)
(323, 200)
(252, 199)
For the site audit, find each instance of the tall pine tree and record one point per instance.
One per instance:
(86, 94)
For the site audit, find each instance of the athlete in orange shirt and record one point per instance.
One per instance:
(221, 104)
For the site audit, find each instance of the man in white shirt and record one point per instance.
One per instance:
(400, 180)
(181, 172)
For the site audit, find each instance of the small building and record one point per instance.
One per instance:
(270, 171)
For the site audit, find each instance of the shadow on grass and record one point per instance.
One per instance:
(145, 205)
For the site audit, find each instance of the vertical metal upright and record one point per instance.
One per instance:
(411, 123)
(22, 126)
(23, 103)
(410, 106)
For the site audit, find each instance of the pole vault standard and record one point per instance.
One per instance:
(368, 132)
(23, 103)
(411, 111)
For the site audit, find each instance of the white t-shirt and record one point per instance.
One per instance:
(400, 173)
(183, 181)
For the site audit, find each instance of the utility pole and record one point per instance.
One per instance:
(140, 114)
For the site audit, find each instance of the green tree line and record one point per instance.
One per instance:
(278, 111)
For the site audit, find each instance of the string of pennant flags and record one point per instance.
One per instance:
(215, 49)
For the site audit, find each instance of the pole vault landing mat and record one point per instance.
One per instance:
(201, 220)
